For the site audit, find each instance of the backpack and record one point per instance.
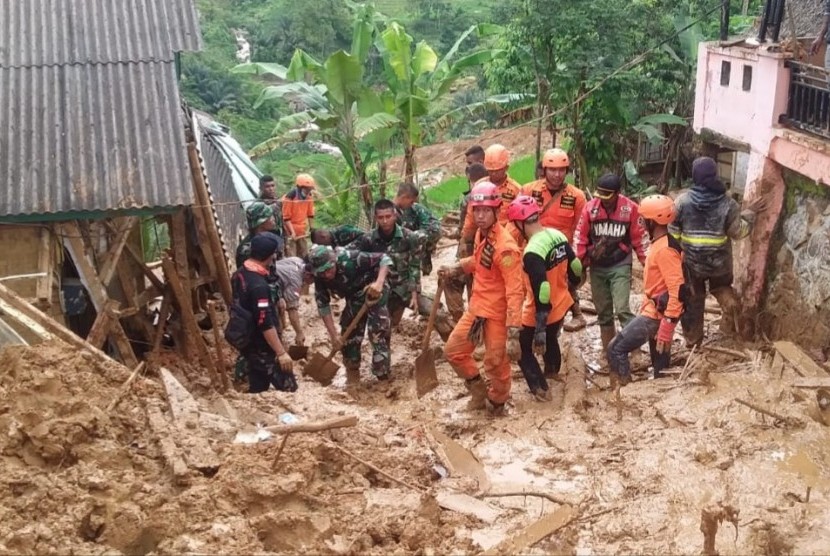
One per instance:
(240, 326)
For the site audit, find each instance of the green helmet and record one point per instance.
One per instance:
(321, 258)
(258, 213)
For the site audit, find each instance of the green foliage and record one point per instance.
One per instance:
(155, 238)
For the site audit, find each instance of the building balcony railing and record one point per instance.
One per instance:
(808, 107)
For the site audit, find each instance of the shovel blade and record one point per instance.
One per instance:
(321, 369)
(298, 352)
(426, 378)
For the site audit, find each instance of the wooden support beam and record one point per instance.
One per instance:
(179, 240)
(139, 259)
(204, 244)
(217, 339)
(44, 265)
(23, 319)
(134, 301)
(86, 270)
(52, 326)
(203, 200)
(114, 254)
(100, 328)
(164, 313)
(98, 291)
(182, 299)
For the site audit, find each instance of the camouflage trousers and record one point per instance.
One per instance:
(377, 321)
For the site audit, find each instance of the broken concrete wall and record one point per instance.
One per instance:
(798, 301)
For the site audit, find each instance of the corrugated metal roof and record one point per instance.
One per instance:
(223, 176)
(56, 32)
(91, 137)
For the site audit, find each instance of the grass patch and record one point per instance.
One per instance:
(445, 196)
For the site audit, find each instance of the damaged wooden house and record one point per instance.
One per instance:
(106, 223)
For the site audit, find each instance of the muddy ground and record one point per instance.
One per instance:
(79, 478)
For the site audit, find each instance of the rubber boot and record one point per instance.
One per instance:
(577, 321)
(495, 409)
(607, 334)
(352, 373)
(728, 302)
(478, 393)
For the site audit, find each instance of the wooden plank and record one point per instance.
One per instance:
(217, 340)
(519, 542)
(52, 326)
(122, 343)
(183, 406)
(812, 382)
(128, 288)
(169, 451)
(29, 323)
(461, 459)
(193, 333)
(179, 240)
(186, 415)
(203, 200)
(799, 360)
(114, 254)
(89, 277)
(465, 504)
(203, 243)
(44, 264)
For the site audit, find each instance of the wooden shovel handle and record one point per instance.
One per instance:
(350, 328)
(432, 312)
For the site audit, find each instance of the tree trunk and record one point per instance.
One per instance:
(409, 163)
(382, 177)
(365, 189)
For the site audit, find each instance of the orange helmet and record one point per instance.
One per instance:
(555, 158)
(485, 194)
(496, 157)
(305, 180)
(659, 208)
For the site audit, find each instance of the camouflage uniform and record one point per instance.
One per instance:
(343, 235)
(418, 218)
(454, 287)
(355, 271)
(404, 278)
(276, 206)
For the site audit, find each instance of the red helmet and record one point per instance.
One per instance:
(485, 194)
(522, 208)
(659, 208)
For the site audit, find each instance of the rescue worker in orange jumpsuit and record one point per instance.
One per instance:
(549, 266)
(561, 205)
(298, 214)
(497, 162)
(664, 295)
(494, 314)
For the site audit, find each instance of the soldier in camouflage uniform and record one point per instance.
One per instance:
(404, 249)
(341, 236)
(260, 218)
(268, 195)
(355, 276)
(417, 218)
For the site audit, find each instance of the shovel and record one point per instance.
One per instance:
(322, 369)
(426, 379)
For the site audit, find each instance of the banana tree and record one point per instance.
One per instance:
(333, 98)
(416, 79)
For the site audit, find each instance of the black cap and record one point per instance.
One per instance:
(264, 245)
(607, 186)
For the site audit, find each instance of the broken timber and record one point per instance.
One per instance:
(801, 362)
(533, 533)
(812, 382)
(186, 431)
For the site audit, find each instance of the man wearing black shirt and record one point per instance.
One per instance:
(268, 361)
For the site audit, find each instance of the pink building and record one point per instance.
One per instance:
(765, 114)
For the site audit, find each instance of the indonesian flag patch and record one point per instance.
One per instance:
(262, 303)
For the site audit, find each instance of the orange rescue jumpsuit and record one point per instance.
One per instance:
(509, 190)
(560, 210)
(497, 296)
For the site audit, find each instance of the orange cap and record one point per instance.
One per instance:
(555, 158)
(305, 180)
(496, 157)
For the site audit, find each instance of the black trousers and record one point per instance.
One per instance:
(264, 370)
(552, 358)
